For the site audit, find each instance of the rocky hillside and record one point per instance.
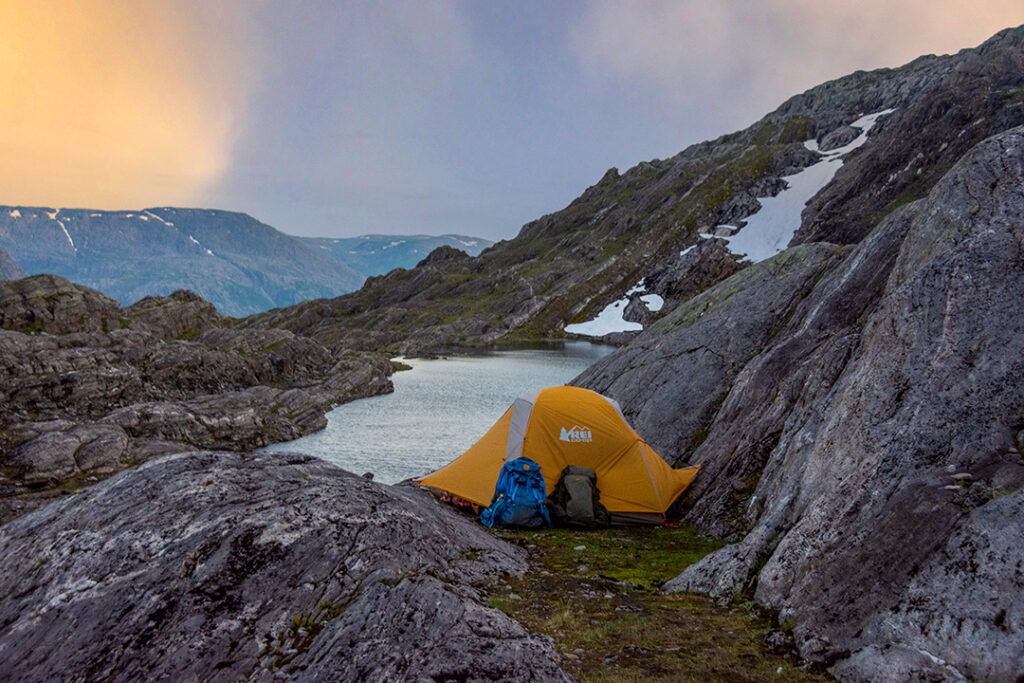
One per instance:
(88, 388)
(859, 412)
(372, 255)
(9, 268)
(226, 567)
(639, 226)
(232, 260)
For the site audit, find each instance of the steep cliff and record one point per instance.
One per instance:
(859, 413)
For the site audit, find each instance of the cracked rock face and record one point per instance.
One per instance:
(860, 432)
(218, 566)
(77, 403)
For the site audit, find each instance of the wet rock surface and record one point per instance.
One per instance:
(220, 566)
(844, 410)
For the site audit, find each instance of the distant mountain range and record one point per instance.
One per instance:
(241, 265)
(379, 254)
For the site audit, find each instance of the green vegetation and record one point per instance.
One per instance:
(32, 329)
(188, 334)
(602, 607)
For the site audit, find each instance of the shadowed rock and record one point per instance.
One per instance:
(220, 567)
(845, 415)
(77, 404)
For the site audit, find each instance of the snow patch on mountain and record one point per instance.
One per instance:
(769, 231)
(153, 215)
(607, 321)
(653, 302)
(610, 319)
(53, 217)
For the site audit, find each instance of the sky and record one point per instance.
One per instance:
(335, 118)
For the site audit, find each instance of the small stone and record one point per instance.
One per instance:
(368, 475)
(775, 641)
(739, 485)
(582, 569)
(963, 476)
(579, 652)
(571, 656)
(951, 487)
(611, 659)
(514, 596)
(580, 548)
(608, 596)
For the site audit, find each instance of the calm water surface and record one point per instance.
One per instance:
(438, 410)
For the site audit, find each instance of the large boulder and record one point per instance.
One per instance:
(182, 313)
(865, 451)
(50, 303)
(221, 567)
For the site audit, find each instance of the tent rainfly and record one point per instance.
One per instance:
(562, 426)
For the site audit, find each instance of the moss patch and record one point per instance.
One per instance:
(601, 606)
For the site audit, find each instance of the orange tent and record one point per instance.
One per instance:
(562, 426)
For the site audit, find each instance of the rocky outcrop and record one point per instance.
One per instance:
(219, 566)
(9, 268)
(944, 107)
(183, 313)
(696, 269)
(83, 404)
(863, 447)
(49, 303)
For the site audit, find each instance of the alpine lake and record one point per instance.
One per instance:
(439, 409)
(594, 592)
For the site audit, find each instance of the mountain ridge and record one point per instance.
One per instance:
(636, 226)
(233, 260)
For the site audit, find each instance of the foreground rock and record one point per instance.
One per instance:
(82, 402)
(831, 414)
(221, 567)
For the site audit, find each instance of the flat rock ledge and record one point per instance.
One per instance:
(221, 566)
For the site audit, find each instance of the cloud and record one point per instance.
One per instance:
(699, 51)
(117, 104)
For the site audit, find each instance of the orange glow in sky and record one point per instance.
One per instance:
(108, 105)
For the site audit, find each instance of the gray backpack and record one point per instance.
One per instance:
(576, 500)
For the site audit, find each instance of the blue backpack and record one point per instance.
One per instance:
(518, 497)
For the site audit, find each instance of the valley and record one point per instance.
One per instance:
(843, 357)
